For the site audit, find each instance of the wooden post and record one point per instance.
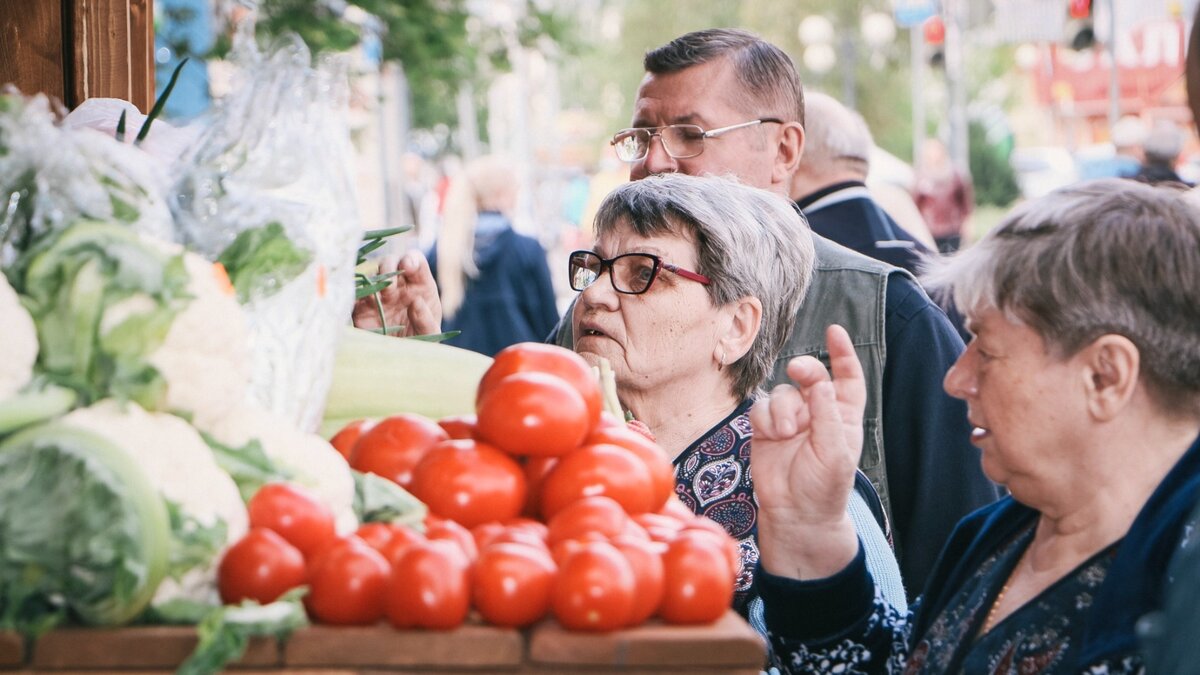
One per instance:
(74, 50)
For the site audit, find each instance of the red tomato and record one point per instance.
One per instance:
(260, 566)
(486, 533)
(635, 530)
(454, 533)
(395, 445)
(345, 439)
(347, 584)
(645, 558)
(597, 514)
(430, 587)
(377, 535)
(533, 414)
(595, 588)
(511, 584)
(536, 469)
(602, 469)
(536, 526)
(459, 426)
(700, 525)
(659, 527)
(402, 538)
(536, 357)
(698, 582)
(662, 472)
(520, 535)
(641, 428)
(294, 513)
(469, 482)
(676, 509)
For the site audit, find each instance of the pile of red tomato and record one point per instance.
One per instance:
(539, 504)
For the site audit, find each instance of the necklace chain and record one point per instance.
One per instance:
(989, 621)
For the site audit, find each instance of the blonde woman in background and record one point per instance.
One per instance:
(494, 283)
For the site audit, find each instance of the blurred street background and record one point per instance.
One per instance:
(1025, 95)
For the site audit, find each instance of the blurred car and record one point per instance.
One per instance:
(1043, 169)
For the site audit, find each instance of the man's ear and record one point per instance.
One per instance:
(1112, 366)
(787, 155)
(745, 320)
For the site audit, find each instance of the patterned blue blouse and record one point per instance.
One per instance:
(713, 478)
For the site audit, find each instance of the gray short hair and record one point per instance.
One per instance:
(834, 135)
(766, 72)
(1102, 257)
(750, 242)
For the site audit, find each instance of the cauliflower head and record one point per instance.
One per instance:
(205, 358)
(18, 342)
(310, 459)
(181, 466)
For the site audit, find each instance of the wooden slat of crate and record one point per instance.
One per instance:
(134, 647)
(12, 650)
(471, 646)
(728, 643)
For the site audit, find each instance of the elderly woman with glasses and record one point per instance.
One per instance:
(704, 276)
(1082, 381)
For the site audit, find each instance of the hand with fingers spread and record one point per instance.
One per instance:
(410, 300)
(807, 441)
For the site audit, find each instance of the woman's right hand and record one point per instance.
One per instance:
(807, 441)
(410, 300)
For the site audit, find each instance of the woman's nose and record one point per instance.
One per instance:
(600, 292)
(960, 379)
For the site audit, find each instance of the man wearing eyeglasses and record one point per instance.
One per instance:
(724, 102)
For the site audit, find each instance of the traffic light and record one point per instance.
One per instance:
(934, 31)
(1080, 33)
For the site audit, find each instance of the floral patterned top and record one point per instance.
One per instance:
(712, 477)
(1036, 638)
(1041, 637)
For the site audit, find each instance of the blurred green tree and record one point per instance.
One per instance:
(440, 44)
(993, 177)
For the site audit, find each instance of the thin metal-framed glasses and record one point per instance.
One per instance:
(630, 273)
(681, 141)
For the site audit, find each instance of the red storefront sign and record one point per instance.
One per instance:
(1150, 58)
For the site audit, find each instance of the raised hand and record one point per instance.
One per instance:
(807, 441)
(411, 300)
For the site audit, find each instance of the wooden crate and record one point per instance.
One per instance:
(727, 646)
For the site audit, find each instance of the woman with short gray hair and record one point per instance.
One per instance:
(705, 276)
(1082, 381)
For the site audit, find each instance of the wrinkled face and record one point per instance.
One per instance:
(705, 95)
(1023, 402)
(665, 335)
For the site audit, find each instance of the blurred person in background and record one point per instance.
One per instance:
(830, 188)
(890, 181)
(494, 283)
(944, 195)
(1083, 383)
(1161, 149)
(1127, 137)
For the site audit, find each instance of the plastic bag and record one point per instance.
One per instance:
(277, 150)
(53, 174)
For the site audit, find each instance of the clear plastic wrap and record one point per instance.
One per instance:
(53, 174)
(277, 150)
